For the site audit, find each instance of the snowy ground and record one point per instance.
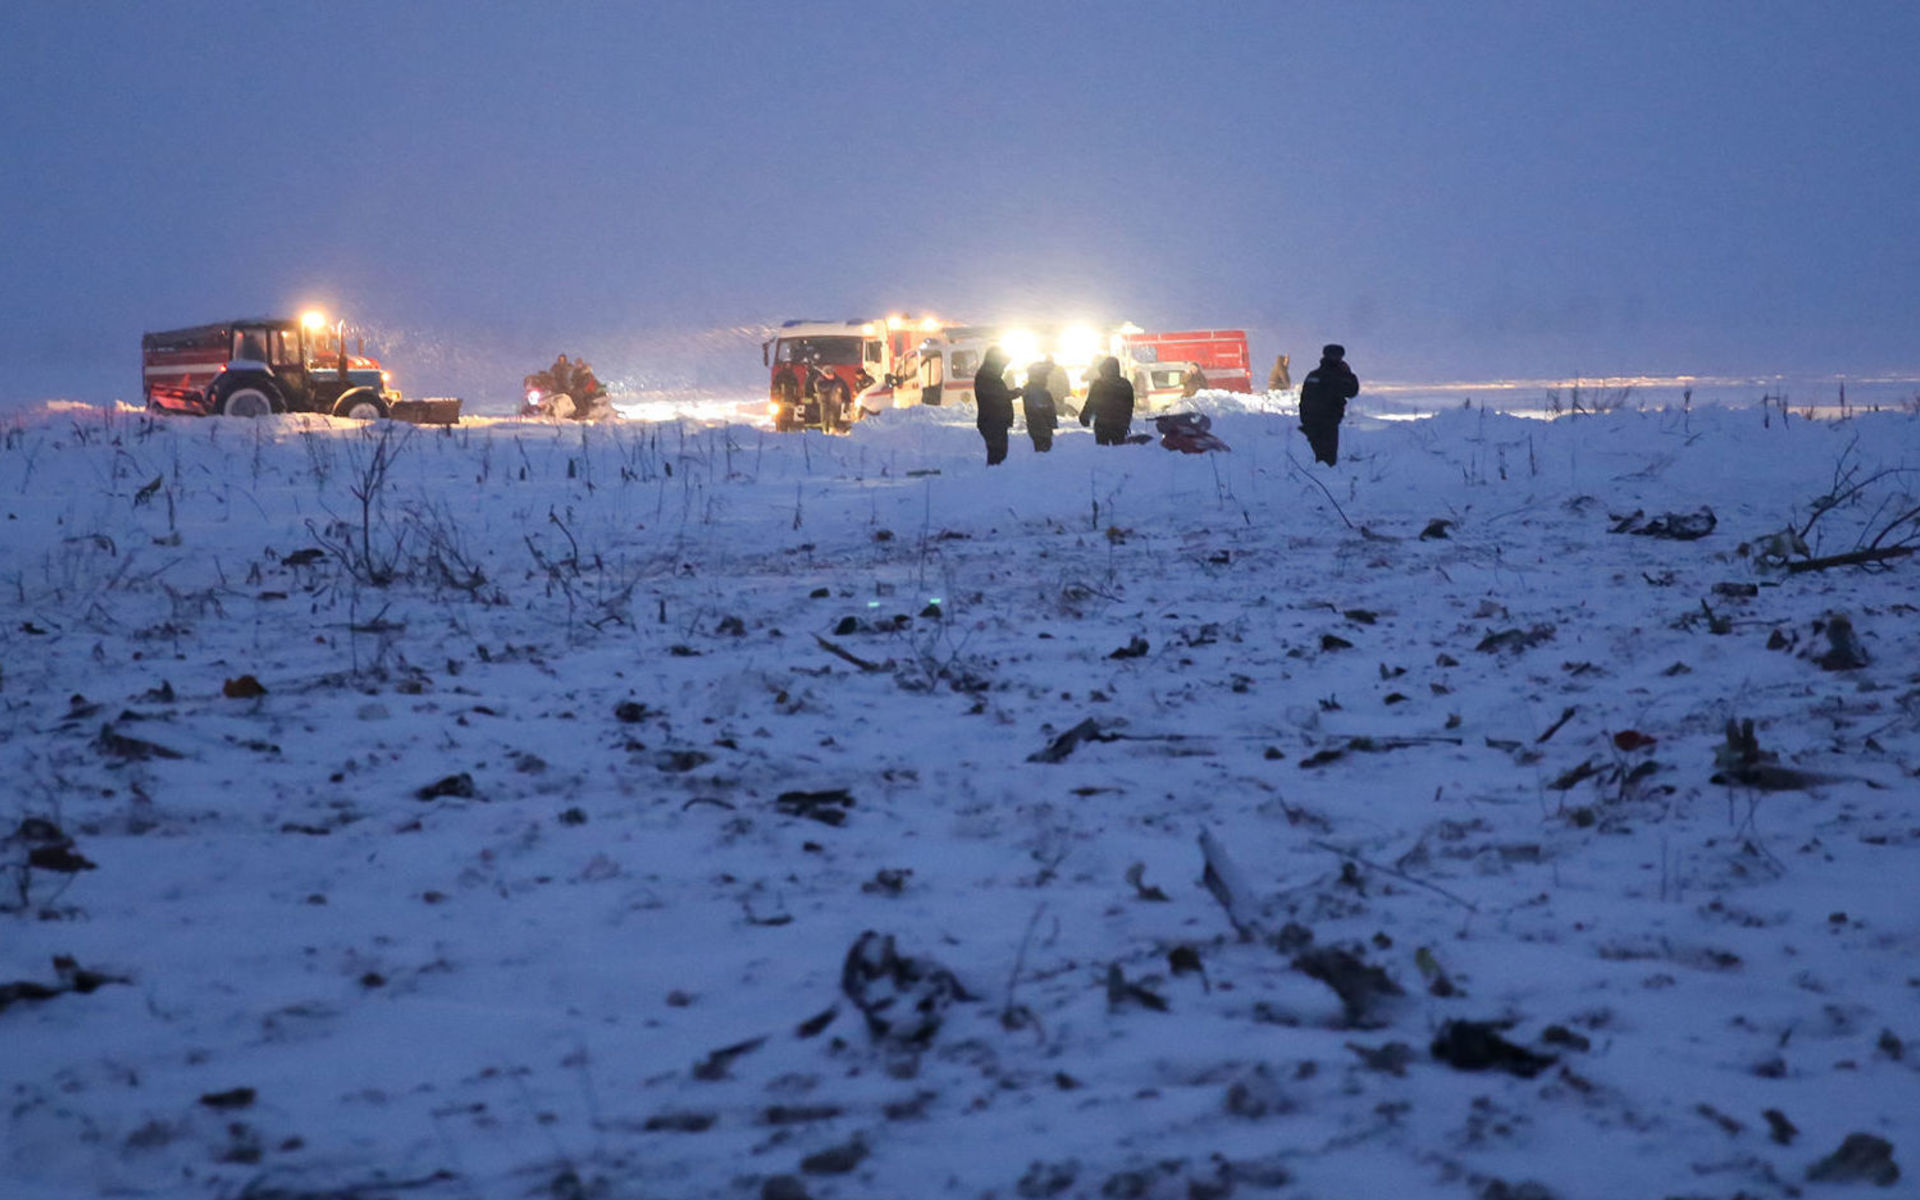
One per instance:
(500, 824)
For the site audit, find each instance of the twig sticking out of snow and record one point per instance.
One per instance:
(1397, 873)
(842, 652)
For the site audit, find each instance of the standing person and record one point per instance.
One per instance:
(1036, 402)
(995, 400)
(1323, 402)
(1109, 406)
(1280, 379)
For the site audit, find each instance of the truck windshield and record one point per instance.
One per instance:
(827, 351)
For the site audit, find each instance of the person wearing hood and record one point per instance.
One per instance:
(1037, 404)
(1323, 402)
(1109, 406)
(995, 402)
(1280, 379)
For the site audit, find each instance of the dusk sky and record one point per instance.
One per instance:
(1459, 189)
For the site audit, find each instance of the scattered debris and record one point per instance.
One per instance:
(814, 1025)
(836, 1160)
(829, 807)
(716, 1065)
(118, 745)
(904, 998)
(1861, 1158)
(1566, 779)
(1256, 1094)
(1391, 1058)
(632, 712)
(1136, 875)
(1223, 880)
(1057, 750)
(1187, 433)
(1679, 527)
(1781, 1130)
(458, 786)
(1121, 992)
(680, 1122)
(887, 881)
(1439, 983)
(48, 847)
(1365, 990)
(232, 1098)
(1478, 1046)
(783, 1187)
(1515, 639)
(1185, 960)
(70, 977)
(1047, 1179)
(1844, 651)
(1743, 763)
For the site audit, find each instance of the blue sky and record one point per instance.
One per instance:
(1450, 188)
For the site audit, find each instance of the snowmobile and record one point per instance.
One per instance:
(566, 391)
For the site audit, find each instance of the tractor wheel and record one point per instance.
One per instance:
(250, 398)
(361, 404)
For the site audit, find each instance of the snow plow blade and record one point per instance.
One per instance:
(437, 411)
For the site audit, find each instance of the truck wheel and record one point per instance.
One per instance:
(361, 405)
(250, 399)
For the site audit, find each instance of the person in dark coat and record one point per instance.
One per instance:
(995, 401)
(1109, 406)
(1036, 403)
(1323, 402)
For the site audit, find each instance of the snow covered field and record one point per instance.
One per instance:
(492, 812)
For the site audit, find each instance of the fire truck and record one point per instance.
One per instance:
(826, 375)
(258, 367)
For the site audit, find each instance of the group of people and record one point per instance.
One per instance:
(568, 390)
(1109, 407)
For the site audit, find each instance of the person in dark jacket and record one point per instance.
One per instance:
(1036, 403)
(1109, 406)
(1323, 402)
(995, 401)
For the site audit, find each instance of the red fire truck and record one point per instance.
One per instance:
(257, 367)
(826, 375)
